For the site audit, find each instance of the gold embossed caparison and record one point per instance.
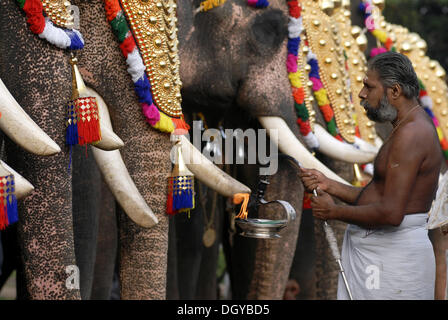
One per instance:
(59, 12)
(153, 24)
(324, 41)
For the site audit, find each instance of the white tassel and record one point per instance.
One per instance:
(55, 36)
(310, 55)
(136, 67)
(294, 27)
(426, 101)
(311, 141)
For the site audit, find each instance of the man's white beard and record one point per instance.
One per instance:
(385, 111)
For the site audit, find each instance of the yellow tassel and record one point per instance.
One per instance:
(294, 78)
(439, 133)
(321, 97)
(165, 124)
(380, 35)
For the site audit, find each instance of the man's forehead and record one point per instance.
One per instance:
(371, 75)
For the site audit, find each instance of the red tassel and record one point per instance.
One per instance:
(88, 120)
(181, 126)
(169, 200)
(3, 212)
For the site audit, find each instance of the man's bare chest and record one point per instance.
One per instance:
(381, 160)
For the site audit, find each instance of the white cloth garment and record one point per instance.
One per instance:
(390, 263)
(438, 215)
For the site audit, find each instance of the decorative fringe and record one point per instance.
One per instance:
(71, 136)
(427, 104)
(11, 208)
(180, 186)
(180, 194)
(243, 198)
(45, 29)
(366, 8)
(321, 96)
(295, 28)
(83, 125)
(136, 68)
(8, 202)
(3, 214)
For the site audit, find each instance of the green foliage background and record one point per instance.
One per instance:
(428, 18)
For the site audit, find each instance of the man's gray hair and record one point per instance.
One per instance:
(396, 68)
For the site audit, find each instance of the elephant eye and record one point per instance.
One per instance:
(270, 28)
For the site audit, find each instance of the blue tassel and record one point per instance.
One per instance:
(11, 207)
(293, 45)
(76, 41)
(314, 72)
(429, 112)
(183, 200)
(71, 135)
(183, 193)
(143, 90)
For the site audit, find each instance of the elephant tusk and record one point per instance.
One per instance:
(22, 186)
(109, 140)
(117, 176)
(366, 146)
(290, 145)
(123, 188)
(208, 173)
(378, 142)
(338, 150)
(21, 129)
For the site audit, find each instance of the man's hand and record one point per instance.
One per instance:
(323, 206)
(314, 179)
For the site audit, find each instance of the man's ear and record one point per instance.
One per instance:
(395, 91)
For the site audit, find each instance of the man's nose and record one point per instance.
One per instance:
(361, 94)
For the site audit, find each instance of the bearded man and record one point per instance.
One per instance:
(386, 251)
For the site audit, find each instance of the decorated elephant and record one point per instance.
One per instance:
(239, 70)
(243, 76)
(41, 82)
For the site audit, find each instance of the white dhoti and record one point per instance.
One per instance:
(390, 263)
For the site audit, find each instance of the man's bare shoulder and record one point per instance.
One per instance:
(417, 136)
